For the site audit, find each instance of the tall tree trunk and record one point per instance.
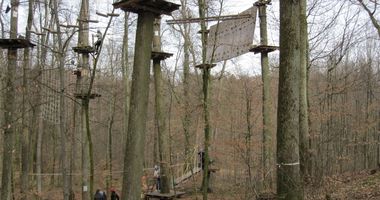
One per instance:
(110, 143)
(304, 116)
(9, 108)
(126, 73)
(111, 120)
(42, 62)
(163, 137)
(289, 185)
(186, 121)
(134, 151)
(268, 131)
(62, 110)
(25, 149)
(87, 186)
(206, 113)
(248, 142)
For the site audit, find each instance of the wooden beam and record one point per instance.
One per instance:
(207, 19)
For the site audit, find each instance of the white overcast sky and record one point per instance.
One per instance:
(248, 63)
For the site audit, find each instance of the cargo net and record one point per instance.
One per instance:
(50, 95)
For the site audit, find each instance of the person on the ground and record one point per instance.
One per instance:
(201, 156)
(114, 195)
(100, 195)
(156, 175)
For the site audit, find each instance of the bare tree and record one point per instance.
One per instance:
(26, 131)
(371, 7)
(9, 108)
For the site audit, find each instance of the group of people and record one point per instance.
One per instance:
(101, 195)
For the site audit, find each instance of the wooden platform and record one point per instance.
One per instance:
(160, 55)
(84, 49)
(84, 96)
(157, 195)
(263, 49)
(155, 6)
(77, 72)
(203, 66)
(15, 43)
(205, 31)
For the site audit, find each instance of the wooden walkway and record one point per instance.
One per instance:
(157, 195)
(187, 175)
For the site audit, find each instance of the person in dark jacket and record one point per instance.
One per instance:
(100, 195)
(114, 195)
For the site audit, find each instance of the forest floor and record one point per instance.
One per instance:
(361, 186)
(364, 186)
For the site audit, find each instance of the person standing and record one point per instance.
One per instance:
(98, 41)
(114, 195)
(100, 195)
(156, 175)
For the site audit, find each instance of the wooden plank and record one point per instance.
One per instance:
(187, 175)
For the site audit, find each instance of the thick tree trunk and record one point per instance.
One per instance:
(268, 131)
(186, 121)
(44, 40)
(26, 131)
(289, 185)
(134, 152)
(206, 113)
(304, 116)
(87, 185)
(126, 72)
(163, 137)
(62, 110)
(9, 108)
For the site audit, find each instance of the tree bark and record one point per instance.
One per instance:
(289, 185)
(304, 116)
(268, 131)
(87, 186)
(206, 112)
(126, 73)
(9, 108)
(186, 121)
(163, 137)
(44, 40)
(134, 152)
(26, 131)
(62, 110)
